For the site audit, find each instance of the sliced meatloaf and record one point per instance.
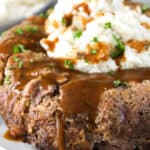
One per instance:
(31, 107)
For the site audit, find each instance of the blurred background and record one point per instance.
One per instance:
(13, 11)
(16, 9)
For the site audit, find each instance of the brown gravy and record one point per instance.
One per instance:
(139, 46)
(60, 141)
(9, 137)
(82, 92)
(51, 44)
(84, 6)
(82, 95)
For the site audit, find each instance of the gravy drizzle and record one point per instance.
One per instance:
(60, 143)
(9, 137)
(83, 95)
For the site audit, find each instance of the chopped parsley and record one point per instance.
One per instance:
(119, 43)
(107, 25)
(111, 73)
(7, 79)
(64, 21)
(95, 39)
(86, 60)
(93, 51)
(20, 64)
(31, 28)
(47, 13)
(18, 48)
(118, 83)
(11, 67)
(119, 48)
(44, 15)
(77, 34)
(145, 8)
(69, 64)
(3, 33)
(19, 31)
(16, 59)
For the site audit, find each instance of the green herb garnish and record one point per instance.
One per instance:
(18, 48)
(19, 31)
(111, 73)
(64, 21)
(119, 48)
(145, 8)
(7, 79)
(11, 67)
(16, 59)
(93, 51)
(107, 25)
(44, 15)
(119, 43)
(86, 60)
(3, 33)
(77, 34)
(95, 39)
(69, 64)
(32, 28)
(20, 64)
(118, 83)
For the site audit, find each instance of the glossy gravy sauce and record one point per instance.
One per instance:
(9, 137)
(82, 95)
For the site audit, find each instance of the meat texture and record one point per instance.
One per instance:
(31, 106)
(30, 101)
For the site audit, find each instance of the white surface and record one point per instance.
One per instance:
(126, 23)
(8, 145)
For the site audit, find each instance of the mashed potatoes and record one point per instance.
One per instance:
(98, 35)
(12, 9)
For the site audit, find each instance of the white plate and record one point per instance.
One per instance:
(10, 145)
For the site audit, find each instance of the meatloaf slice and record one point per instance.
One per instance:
(122, 122)
(30, 103)
(30, 81)
(33, 109)
(28, 34)
(124, 116)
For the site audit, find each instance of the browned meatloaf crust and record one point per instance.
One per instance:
(44, 103)
(33, 110)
